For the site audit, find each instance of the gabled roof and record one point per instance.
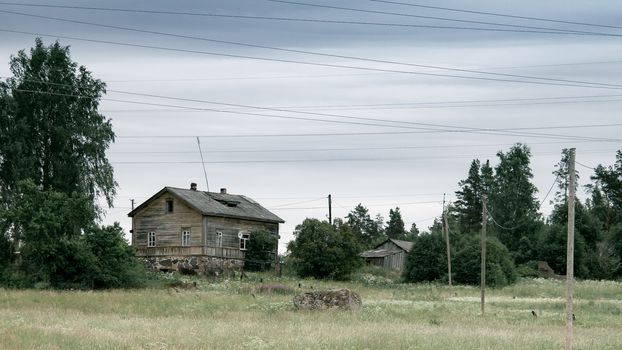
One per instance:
(216, 204)
(376, 253)
(405, 245)
(381, 253)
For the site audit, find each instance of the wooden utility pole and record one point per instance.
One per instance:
(570, 249)
(330, 209)
(446, 232)
(483, 260)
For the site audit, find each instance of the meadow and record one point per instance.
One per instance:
(234, 314)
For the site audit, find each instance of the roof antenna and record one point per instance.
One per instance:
(203, 163)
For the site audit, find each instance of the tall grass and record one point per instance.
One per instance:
(233, 314)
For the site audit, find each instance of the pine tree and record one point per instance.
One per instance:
(513, 208)
(468, 207)
(395, 226)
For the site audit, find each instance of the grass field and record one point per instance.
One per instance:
(225, 315)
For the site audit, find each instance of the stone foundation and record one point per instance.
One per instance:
(196, 265)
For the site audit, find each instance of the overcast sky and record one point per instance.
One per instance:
(309, 138)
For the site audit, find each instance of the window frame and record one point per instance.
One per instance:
(244, 239)
(219, 239)
(151, 239)
(169, 206)
(186, 234)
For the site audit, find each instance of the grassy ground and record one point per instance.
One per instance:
(225, 315)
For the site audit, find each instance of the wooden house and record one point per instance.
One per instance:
(198, 232)
(390, 254)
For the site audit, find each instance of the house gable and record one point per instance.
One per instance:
(155, 215)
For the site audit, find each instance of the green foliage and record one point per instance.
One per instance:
(115, 263)
(52, 131)
(260, 251)
(395, 226)
(367, 231)
(512, 201)
(469, 204)
(607, 192)
(552, 249)
(427, 259)
(53, 168)
(562, 176)
(500, 270)
(321, 250)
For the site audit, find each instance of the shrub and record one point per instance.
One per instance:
(500, 270)
(427, 259)
(322, 250)
(260, 251)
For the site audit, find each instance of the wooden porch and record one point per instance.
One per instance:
(218, 252)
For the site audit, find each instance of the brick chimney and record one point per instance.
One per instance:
(193, 186)
(223, 191)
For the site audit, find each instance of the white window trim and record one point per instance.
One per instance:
(244, 238)
(185, 237)
(219, 239)
(151, 239)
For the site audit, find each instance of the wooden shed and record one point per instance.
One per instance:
(390, 254)
(196, 231)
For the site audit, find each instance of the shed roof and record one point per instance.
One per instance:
(217, 204)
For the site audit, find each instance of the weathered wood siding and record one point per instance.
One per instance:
(395, 261)
(167, 226)
(230, 228)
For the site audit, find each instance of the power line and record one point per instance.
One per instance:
(549, 191)
(307, 20)
(585, 166)
(246, 78)
(428, 127)
(296, 203)
(547, 81)
(423, 105)
(290, 150)
(318, 160)
(306, 52)
(363, 107)
(498, 14)
(579, 32)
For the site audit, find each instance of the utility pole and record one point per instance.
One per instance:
(446, 232)
(330, 209)
(570, 249)
(483, 262)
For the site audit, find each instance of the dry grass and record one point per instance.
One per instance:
(225, 315)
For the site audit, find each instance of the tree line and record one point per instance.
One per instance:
(519, 236)
(53, 168)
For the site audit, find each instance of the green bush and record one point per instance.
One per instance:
(500, 270)
(427, 260)
(260, 251)
(116, 266)
(321, 250)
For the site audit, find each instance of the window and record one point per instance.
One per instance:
(151, 239)
(244, 238)
(168, 207)
(185, 237)
(219, 239)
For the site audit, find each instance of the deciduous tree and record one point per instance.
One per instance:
(322, 250)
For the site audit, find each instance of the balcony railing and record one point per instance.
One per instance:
(220, 252)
